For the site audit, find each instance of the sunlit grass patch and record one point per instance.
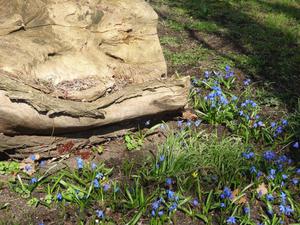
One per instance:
(187, 57)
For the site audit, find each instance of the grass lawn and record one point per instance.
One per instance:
(232, 158)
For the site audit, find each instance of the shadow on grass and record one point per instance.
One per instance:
(271, 47)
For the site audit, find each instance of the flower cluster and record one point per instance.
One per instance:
(216, 98)
(167, 203)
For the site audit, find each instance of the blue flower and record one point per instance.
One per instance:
(80, 163)
(195, 81)
(247, 82)
(226, 193)
(99, 176)
(41, 223)
(270, 197)
(231, 220)
(287, 210)
(259, 174)
(188, 123)
(106, 187)
(197, 123)
(147, 123)
(206, 74)
(284, 122)
(195, 202)
(28, 168)
(298, 170)
(170, 194)
(295, 181)
(173, 207)
(161, 213)
(153, 213)
(222, 205)
(269, 155)
(161, 158)
(241, 113)
(42, 163)
(270, 212)
(296, 145)
(284, 176)
(283, 159)
(246, 210)
(96, 183)
(100, 214)
(248, 155)
(283, 197)
(59, 197)
(260, 123)
(273, 124)
(179, 123)
(93, 166)
(253, 169)
(169, 181)
(227, 68)
(33, 180)
(234, 98)
(278, 131)
(33, 157)
(272, 174)
(155, 205)
(229, 74)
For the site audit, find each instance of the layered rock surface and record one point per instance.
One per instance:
(70, 65)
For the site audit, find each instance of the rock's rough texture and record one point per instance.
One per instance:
(80, 49)
(70, 65)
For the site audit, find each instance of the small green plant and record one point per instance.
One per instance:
(9, 167)
(133, 142)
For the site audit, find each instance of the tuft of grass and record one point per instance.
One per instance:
(188, 151)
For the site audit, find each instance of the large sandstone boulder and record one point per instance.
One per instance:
(70, 65)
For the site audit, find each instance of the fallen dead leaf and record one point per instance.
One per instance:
(188, 115)
(262, 190)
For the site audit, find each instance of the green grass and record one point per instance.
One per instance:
(187, 57)
(265, 36)
(170, 41)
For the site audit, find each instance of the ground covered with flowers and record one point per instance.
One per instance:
(233, 157)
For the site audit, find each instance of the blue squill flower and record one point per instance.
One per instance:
(253, 169)
(195, 202)
(80, 163)
(169, 181)
(33, 180)
(96, 183)
(295, 181)
(269, 155)
(59, 197)
(160, 213)
(173, 207)
(100, 214)
(106, 187)
(296, 145)
(231, 220)
(270, 197)
(246, 210)
(284, 122)
(247, 82)
(93, 166)
(197, 123)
